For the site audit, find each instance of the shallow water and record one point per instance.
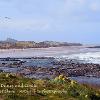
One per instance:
(88, 80)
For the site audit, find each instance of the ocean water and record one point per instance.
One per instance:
(88, 80)
(79, 53)
(89, 57)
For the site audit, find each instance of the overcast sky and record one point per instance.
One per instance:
(58, 20)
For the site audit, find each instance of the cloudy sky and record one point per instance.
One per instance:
(58, 20)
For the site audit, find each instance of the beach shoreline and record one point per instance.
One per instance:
(51, 62)
(49, 67)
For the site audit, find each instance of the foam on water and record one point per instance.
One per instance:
(90, 57)
(85, 54)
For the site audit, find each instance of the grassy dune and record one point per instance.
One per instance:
(14, 87)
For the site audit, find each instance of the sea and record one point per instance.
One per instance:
(84, 54)
(89, 55)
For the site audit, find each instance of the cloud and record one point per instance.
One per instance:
(48, 14)
(81, 1)
(25, 24)
(95, 6)
(6, 0)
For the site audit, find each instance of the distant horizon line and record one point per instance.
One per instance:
(49, 40)
(36, 40)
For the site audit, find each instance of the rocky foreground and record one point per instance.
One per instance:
(48, 67)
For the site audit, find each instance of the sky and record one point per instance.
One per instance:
(56, 20)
